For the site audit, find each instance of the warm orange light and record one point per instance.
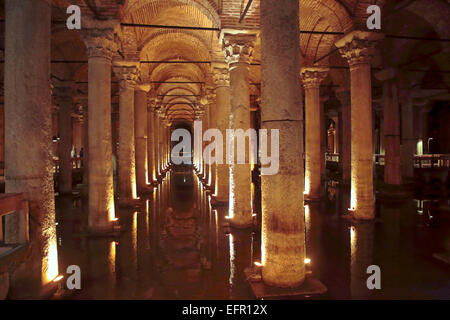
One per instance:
(307, 260)
(58, 278)
(258, 264)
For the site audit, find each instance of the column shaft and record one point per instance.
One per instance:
(357, 48)
(283, 234)
(238, 51)
(101, 189)
(28, 135)
(313, 121)
(126, 154)
(222, 114)
(141, 135)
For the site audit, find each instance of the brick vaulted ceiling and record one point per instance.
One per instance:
(160, 44)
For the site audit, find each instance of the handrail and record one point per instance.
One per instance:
(14, 203)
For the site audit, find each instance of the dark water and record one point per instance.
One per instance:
(178, 247)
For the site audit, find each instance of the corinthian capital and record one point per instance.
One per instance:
(357, 47)
(221, 76)
(100, 37)
(127, 72)
(238, 48)
(312, 77)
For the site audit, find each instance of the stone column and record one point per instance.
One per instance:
(283, 232)
(357, 48)
(77, 123)
(238, 49)
(391, 113)
(127, 74)
(152, 171)
(221, 79)
(28, 138)
(408, 145)
(101, 47)
(141, 133)
(64, 98)
(205, 126)
(345, 135)
(312, 77)
(212, 124)
(157, 150)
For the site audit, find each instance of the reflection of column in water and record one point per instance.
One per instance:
(101, 269)
(240, 259)
(361, 256)
(143, 247)
(127, 259)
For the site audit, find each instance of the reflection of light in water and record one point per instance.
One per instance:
(307, 218)
(112, 258)
(134, 232)
(353, 242)
(419, 206)
(232, 260)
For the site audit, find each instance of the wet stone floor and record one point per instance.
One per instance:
(178, 247)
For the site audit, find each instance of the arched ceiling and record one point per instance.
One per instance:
(183, 84)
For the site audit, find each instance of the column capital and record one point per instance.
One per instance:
(143, 87)
(211, 94)
(221, 76)
(238, 47)
(313, 76)
(127, 72)
(357, 46)
(100, 37)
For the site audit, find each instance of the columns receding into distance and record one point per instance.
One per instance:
(357, 48)
(312, 77)
(238, 50)
(283, 232)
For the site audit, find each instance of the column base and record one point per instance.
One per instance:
(352, 220)
(311, 286)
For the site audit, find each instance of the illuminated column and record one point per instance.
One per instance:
(157, 150)
(212, 124)
(161, 140)
(238, 49)
(28, 136)
(167, 125)
(141, 135)
(221, 79)
(152, 173)
(357, 48)
(198, 115)
(283, 232)
(391, 111)
(344, 134)
(312, 77)
(64, 99)
(408, 146)
(205, 126)
(101, 47)
(127, 75)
